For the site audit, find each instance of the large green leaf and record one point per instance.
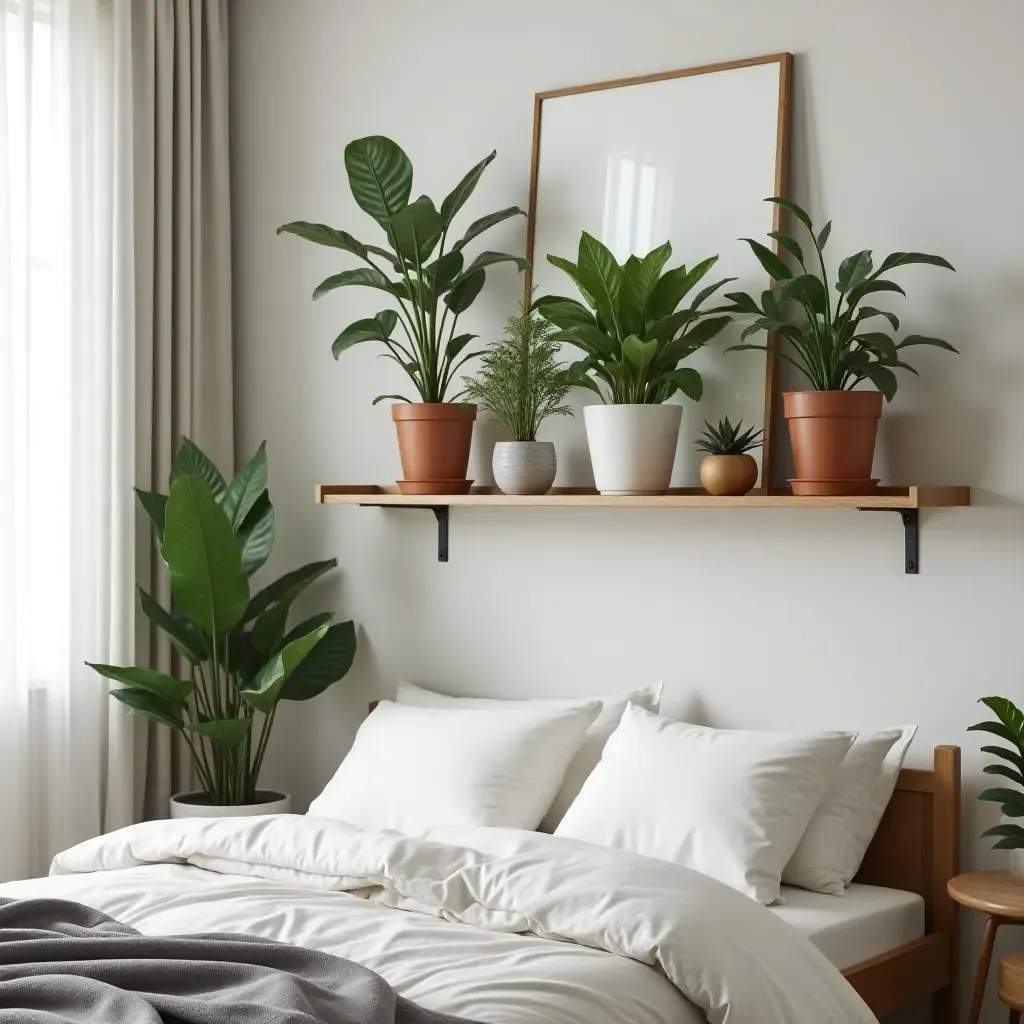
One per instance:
(867, 312)
(1015, 757)
(564, 313)
(169, 688)
(464, 292)
(881, 344)
(257, 534)
(149, 705)
(457, 344)
(708, 328)
(902, 259)
(1009, 715)
(375, 328)
(416, 229)
(442, 273)
(601, 276)
(249, 483)
(920, 339)
(806, 288)
(488, 258)
(589, 339)
(456, 199)
(639, 353)
(379, 175)
(674, 286)
(853, 270)
(306, 626)
(790, 244)
(858, 292)
(185, 637)
(321, 234)
(823, 235)
(777, 270)
(287, 587)
(709, 290)
(325, 664)
(1011, 800)
(361, 277)
(798, 211)
(1013, 832)
(264, 692)
(639, 276)
(269, 628)
(1005, 771)
(155, 506)
(190, 460)
(479, 226)
(996, 729)
(226, 733)
(883, 379)
(205, 566)
(687, 380)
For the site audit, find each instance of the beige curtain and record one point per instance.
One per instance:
(183, 294)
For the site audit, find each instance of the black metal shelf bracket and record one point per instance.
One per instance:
(440, 514)
(911, 537)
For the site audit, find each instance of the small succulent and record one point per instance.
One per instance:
(726, 439)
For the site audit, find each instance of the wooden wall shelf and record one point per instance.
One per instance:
(907, 501)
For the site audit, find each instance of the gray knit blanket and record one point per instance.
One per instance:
(61, 961)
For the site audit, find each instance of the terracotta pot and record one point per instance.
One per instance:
(833, 437)
(433, 443)
(728, 474)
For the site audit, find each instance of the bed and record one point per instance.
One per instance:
(893, 935)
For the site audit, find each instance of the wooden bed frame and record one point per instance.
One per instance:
(917, 849)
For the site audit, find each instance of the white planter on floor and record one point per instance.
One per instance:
(632, 447)
(193, 805)
(524, 467)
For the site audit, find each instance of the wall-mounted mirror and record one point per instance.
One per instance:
(685, 156)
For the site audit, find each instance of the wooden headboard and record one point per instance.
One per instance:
(917, 845)
(917, 848)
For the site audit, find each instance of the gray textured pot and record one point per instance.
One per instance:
(524, 467)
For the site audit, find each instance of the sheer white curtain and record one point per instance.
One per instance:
(66, 422)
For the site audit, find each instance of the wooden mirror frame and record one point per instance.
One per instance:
(785, 62)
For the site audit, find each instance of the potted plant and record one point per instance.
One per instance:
(728, 469)
(1008, 726)
(431, 286)
(238, 655)
(633, 336)
(833, 426)
(521, 383)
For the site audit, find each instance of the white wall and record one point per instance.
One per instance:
(907, 131)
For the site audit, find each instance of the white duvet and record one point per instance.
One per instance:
(498, 926)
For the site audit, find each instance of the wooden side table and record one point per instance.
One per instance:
(992, 893)
(1011, 985)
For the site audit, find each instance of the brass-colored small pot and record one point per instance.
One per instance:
(728, 474)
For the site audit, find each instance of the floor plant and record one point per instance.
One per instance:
(239, 656)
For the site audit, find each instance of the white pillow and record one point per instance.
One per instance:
(847, 818)
(648, 697)
(415, 768)
(730, 804)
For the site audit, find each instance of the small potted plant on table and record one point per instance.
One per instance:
(521, 383)
(239, 658)
(728, 469)
(432, 287)
(833, 426)
(1008, 726)
(633, 336)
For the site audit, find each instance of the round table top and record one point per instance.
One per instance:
(992, 892)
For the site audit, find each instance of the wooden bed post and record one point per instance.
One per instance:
(946, 864)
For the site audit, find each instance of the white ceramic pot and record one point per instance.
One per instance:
(194, 805)
(524, 467)
(1017, 866)
(632, 447)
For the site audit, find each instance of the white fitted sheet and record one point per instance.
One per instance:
(865, 921)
